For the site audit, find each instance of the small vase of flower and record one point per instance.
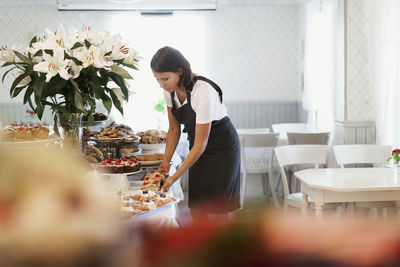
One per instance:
(396, 160)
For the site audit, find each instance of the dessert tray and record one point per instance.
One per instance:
(115, 174)
(156, 201)
(150, 212)
(150, 162)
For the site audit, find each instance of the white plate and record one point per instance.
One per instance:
(107, 139)
(150, 162)
(125, 173)
(149, 212)
(152, 146)
(139, 152)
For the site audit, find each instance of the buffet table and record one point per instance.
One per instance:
(165, 216)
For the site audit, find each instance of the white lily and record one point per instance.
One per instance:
(25, 80)
(7, 54)
(55, 40)
(53, 65)
(74, 70)
(132, 57)
(94, 56)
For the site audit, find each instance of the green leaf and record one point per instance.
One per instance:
(28, 93)
(30, 103)
(107, 104)
(38, 53)
(6, 64)
(39, 110)
(78, 101)
(23, 58)
(87, 44)
(16, 82)
(49, 51)
(54, 86)
(38, 87)
(5, 73)
(76, 45)
(120, 71)
(130, 66)
(116, 102)
(32, 41)
(18, 90)
(121, 83)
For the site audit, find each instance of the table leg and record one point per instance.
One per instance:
(318, 211)
(398, 210)
(304, 205)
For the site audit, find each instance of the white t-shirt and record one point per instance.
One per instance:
(205, 102)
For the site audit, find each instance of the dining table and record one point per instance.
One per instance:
(347, 185)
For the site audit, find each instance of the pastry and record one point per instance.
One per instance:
(152, 181)
(26, 132)
(118, 166)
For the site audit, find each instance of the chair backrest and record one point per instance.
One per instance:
(308, 138)
(252, 130)
(358, 154)
(283, 128)
(298, 154)
(257, 140)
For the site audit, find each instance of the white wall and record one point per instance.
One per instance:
(251, 51)
(359, 91)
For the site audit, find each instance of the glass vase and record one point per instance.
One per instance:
(69, 128)
(396, 168)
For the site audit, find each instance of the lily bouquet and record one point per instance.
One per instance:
(68, 72)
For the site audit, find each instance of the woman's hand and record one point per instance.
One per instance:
(168, 183)
(164, 167)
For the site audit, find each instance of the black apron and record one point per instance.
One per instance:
(214, 180)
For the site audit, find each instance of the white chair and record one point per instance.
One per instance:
(361, 154)
(364, 154)
(260, 164)
(299, 154)
(252, 130)
(283, 128)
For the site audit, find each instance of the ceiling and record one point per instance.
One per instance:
(225, 2)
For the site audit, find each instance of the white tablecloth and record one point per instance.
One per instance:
(163, 217)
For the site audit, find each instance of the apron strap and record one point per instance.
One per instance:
(173, 100)
(213, 84)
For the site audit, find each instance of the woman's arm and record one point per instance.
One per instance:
(174, 132)
(200, 143)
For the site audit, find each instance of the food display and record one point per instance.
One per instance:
(152, 137)
(129, 150)
(25, 132)
(153, 181)
(136, 202)
(114, 131)
(93, 154)
(148, 157)
(123, 165)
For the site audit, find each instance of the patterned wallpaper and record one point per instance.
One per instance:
(359, 91)
(251, 49)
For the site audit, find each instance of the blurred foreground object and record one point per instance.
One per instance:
(51, 214)
(271, 239)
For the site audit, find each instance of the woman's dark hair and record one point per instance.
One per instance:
(168, 59)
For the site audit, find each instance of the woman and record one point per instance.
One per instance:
(214, 158)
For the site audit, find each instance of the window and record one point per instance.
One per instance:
(184, 31)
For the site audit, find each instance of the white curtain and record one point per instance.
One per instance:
(385, 27)
(319, 63)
